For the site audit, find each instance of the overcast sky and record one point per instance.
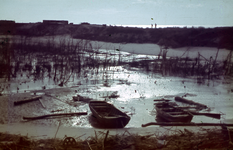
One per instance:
(121, 12)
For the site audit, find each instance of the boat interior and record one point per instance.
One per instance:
(170, 110)
(106, 109)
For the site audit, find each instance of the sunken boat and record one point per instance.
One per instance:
(168, 113)
(108, 115)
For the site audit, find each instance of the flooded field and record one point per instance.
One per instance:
(59, 70)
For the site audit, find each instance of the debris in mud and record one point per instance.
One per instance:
(57, 110)
(50, 115)
(27, 100)
(74, 104)
(124, 82)
(113, 95)
(81, 98)
(188, 94)
(166, 100)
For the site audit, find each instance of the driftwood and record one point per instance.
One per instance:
(27, 100)
(81, 98)
(183, 100)
(158, 100)
(188, 107)
(57, 99)
(104, 141)
(185, 124)
(50, 115)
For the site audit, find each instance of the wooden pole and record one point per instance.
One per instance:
(184, 124)
(49, 115)
(159, 100)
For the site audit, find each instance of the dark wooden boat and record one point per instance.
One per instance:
(108, 115)
(169, 113)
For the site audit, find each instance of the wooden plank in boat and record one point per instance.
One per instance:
(174, 113)
(101, 106)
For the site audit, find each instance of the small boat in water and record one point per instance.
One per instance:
(108, 115)
(169, 113)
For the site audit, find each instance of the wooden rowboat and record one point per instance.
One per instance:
(169, 113)
(108, 115)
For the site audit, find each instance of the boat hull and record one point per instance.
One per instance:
(107, 115)
(170, 114)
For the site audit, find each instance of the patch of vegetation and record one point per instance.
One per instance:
(221, 37)
(170, 140)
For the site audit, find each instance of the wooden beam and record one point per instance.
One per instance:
(184, 124)
(60, 114)
(183, 100)
(27, 100)
(213, 115)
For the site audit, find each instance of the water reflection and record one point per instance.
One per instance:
(48, 64)
(65, 60)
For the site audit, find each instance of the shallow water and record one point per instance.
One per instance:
(136, 88)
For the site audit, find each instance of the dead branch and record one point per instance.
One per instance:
(50, 115)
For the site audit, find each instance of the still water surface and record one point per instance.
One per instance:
(136, 88)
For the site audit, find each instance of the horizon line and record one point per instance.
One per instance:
(155, 25)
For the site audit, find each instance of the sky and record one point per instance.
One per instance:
(121, 12)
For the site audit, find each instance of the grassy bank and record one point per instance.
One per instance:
(170, 140)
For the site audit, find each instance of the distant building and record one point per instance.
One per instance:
(55, 22)
(155, 25)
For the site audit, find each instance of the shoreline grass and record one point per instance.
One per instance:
(172, 140)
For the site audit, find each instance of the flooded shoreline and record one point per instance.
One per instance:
(136, 95)
(76, 69)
